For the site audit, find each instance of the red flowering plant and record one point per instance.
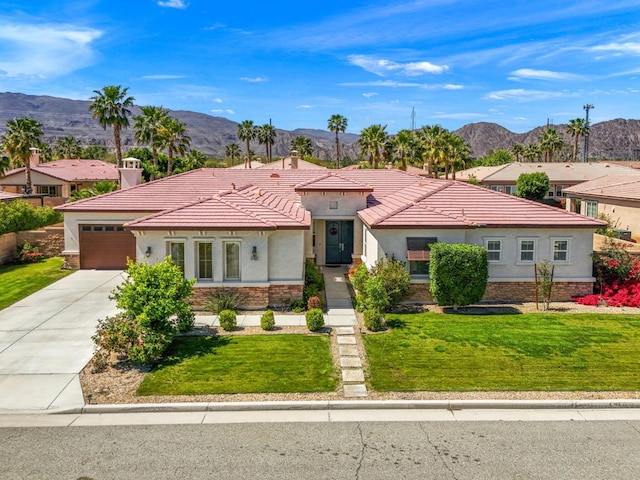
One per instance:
(618, 278)
(29, 254)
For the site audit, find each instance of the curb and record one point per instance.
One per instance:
(352, 405)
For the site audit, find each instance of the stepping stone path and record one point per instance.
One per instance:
(351, 363)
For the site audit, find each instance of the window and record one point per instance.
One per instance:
(560, 250)
(497, 188)
(49, 190)
(591, 209)
(232, 260)
(551, 192)
(526, 250)
(510, 189)
(176, 251)
(333, 205)
(204, 260)
(494, 250)
(419, 255)
(559, 192)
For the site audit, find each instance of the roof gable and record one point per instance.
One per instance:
(332, 182)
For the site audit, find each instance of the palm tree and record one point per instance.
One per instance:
(550, 142)
(518, 151)
(337, 123)
(456, 154)
(21, 136)
(403, 144)
(146, 127)
(68, 147)
(246, 133)
(267, 137)
(111, 107)
(432, 145)
(5, 164)
(372, 141)
(233, 151)
(302, 145)
(172, 135)
(193, 160)
(531, 152)
(577, 128)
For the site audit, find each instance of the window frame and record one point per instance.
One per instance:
(176, 241)
(588, 204)
(225, 268)
(534, 251)
(567, 251)
(198, 259)
(500, 240)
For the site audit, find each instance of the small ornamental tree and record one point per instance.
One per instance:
(532, 186)
(458, 273)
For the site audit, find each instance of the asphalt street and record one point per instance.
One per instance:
(349, 450)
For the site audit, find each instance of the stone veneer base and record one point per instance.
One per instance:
(252, 297)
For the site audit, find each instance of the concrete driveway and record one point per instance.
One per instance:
(45, 341)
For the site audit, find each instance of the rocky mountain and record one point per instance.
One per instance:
(619, 139)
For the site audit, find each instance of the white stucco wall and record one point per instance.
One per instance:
(392, 243)
(348, 203)
(286, 255)
(625, 216)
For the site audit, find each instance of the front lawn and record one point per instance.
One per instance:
(545, 352)
(20, 281)
(243, 364)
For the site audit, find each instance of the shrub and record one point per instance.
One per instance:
(267, 320)
(532, 186)
(373, 320)
(374, 296)
(116, 334)
(359, 277)
(228, 320)
(395, 279)
(297, 305)
(20, 215)
(223, 300)
(28, 253)
(313, 281)
(458, 273)
(314, 319)
(314, 302)
(544, 272)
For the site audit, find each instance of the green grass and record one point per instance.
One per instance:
(544, 352)
(20, 281)
(243, 364)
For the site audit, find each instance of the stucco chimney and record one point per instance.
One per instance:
(294, 159)
(130, 173)
(34, 157)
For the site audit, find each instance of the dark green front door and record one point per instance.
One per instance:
(339, 241)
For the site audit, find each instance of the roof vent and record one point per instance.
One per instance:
(274, 175)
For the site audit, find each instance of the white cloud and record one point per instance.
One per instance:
(217, 100)
(304, 106)
(173, 4)
(223, 110)
(161, 77)
(451, 86)
(44, 50)
(626, 47)
(543, 75)
(369, 94)
(381, 66)
(522, 95)
(254, 79)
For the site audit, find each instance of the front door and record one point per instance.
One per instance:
(339, 241)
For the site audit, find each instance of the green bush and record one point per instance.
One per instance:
(267, 320)
(116, 334)
(375, 296)
(395, 279)
(458, 273)
(532, 186)
(19, 215)
(28, 253)
(359, 277)
(297, 305)
(314, 319)
(223, 300)
(313, 281)
(228, 320)
(373, 320)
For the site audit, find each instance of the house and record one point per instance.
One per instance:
(503, 178)
(252, 230)
(616, 196)
(56, 180)
(8, 196)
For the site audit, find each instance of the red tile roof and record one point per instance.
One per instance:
(74, 170)
(619, 187)
(332, 182)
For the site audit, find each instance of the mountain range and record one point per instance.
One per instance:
(60, 117)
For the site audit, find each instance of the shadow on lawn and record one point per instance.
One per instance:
(483, 310)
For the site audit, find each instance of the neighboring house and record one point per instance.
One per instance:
(503, 178)
(8, 196)
(291, 163)
(56, 180)
(252, 230)
(616, 196)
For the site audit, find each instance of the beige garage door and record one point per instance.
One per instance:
(106, 247)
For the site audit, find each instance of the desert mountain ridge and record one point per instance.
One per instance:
(60, 117)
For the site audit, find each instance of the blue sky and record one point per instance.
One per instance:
(514, 63)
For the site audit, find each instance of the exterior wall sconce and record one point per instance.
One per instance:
(254, 253)
(147, 252)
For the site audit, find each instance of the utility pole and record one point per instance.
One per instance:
(585, 154)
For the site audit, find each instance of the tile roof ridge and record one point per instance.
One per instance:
(312, 180)
(264, 193)
(240, 209)
(168, 210)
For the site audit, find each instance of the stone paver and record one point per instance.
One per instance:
(353, 375)
(346, 340)
(345, 331)
(353, 391)
(350, 362)
(348, 351)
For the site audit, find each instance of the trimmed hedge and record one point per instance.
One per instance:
(20, 215)
(458, 273)
(314, 319)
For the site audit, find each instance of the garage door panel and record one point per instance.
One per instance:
(106, 247)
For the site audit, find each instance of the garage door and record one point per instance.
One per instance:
(106, 247)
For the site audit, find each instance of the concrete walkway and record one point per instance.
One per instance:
(45, 341)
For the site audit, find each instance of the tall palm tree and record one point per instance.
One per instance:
(233, 151)
(531, 152)
(577, 128)
(403, 145)
(373, 140)
(247, 132)
(5, 164)
(267, 136)
(302, 145)
(172, 135)
(68, 147)
(110, 106)
(550, 142)
(337, 123)
(432, 146)
(146, 127)
(21, 136)
(518, 151)
(456, 154)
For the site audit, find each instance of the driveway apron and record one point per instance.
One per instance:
(45, 341)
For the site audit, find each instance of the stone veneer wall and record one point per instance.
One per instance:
(72, 261)
(510, 291)
(252, 297)
(7, 248)
(49, 240)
